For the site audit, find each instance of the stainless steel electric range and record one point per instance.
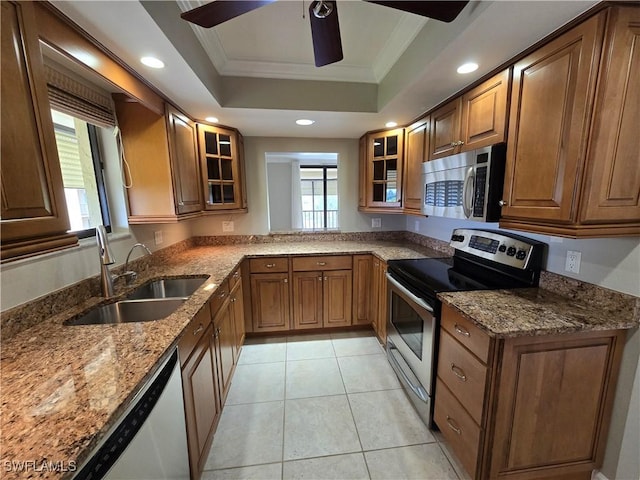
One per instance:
(483, 260)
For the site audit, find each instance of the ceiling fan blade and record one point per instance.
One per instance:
(220, 11)
(444, 11)
(325, 33)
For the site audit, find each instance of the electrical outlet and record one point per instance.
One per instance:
(157, 237)
(416, 226)
(572, 263)
(227, 226)
(376, 222)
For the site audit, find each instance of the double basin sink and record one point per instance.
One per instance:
(152, 301)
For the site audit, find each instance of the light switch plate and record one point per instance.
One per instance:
(157, 237)
(376, 222)
(227, 226)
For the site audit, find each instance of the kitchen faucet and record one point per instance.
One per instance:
(107, 258)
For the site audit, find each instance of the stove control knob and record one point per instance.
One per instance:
(502, 248)
(521, 254)
(511, 251)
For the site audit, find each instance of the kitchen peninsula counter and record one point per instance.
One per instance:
(64, 387)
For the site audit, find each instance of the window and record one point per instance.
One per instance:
(82, 174)
(319, 188)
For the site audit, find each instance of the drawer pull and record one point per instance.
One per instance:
(320, 278)
(286, 280)
(461, 330)
(453, 426)
(322, 264)
(198, 330)
(458, 372)
(222, 295)
(270, 265)
(236, 275)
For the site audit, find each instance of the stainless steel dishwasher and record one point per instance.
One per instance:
(150, 442)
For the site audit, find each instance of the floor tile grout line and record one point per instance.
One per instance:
(284, 411)
(455, 470)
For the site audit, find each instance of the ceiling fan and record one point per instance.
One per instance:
(323, 14)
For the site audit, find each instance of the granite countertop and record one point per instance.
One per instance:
(63, 387)
(536, 311)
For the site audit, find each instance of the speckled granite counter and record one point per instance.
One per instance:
(63, 387)
(536, 311)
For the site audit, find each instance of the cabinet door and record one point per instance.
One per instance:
(225, 341)
(220, 168)
(336, 291)
(201, 401)
(34, 211)
(237, 301)
(374, 301)
(612, 192)
(484, 113)
(383, 313)
(416, 149)
(362, 285)
(184, 162)
(307, 299)
(362, 172)
(270, 301)
(550, 107)
(444, 137)
(385, 150)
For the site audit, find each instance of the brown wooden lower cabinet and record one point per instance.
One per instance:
(362, 284)
(224, 336)
(199, 383)
(270, 301)
(336, 298)
(379, 301)
(525, 407)
(307, 300)
(237, 301)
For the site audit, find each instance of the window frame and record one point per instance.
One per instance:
(324, 169)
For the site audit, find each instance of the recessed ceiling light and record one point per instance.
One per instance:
(304, 121)
(467, 67)
(152, 62)
(212, 119)
(390, 124)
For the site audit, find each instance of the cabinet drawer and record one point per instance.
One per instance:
(463, 374)
(465, 332)
(328, 262)
(269, 264)
(219, 296)
(235, 277)
(193, 333)
(459, 429)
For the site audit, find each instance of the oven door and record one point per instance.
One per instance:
(411, 331)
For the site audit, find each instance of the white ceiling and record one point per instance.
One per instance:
(256, 72)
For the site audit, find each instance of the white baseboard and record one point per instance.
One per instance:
(598, 475)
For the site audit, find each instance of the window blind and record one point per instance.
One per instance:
(78, 99)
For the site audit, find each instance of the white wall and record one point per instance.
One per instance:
(279, 188)
(256, 221)
(612, 263)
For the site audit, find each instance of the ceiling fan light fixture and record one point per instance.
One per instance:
(391, 124)
(305, 122)
(322, 9)
(152, 62)
(467, 68)
(212, 119)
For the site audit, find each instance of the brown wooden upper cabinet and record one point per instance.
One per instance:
(222, 172)
(574, 149)
(34, 211)
(163, 171)
(383, 171)
(475, 119)
(416, 148)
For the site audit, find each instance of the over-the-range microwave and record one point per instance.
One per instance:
(467, 185)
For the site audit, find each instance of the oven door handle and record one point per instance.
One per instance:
(411, 296)
(414, 386)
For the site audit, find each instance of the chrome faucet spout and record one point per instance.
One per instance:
(106, 259)
(128, 274)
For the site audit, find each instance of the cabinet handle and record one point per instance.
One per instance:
(453, 426)
(320, 278)
(222, 295)
(453, 144)
(198, 330)
(236, 275)
(458, 372)
(270, 265)
(322, 264)
(461, 330)
(503, 203)
(286, 280)
(181, 203)
(459, 143)
(233, 300)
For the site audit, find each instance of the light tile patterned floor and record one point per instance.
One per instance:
(322, 407)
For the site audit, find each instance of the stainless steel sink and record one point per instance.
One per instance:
(129, 311)
(167, 288)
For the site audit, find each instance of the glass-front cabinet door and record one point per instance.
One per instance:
(221, 170)
(385, 155)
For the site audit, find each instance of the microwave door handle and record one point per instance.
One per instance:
(467, 204)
